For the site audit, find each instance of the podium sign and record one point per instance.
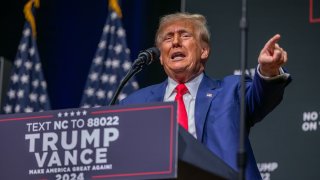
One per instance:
(118, 142)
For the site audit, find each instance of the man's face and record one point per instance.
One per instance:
(183, 54)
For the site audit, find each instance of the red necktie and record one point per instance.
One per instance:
(182, 113)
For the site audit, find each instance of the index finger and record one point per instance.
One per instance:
(271, 43)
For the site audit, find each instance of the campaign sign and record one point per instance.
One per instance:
(118, 142)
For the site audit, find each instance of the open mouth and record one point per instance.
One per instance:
(177, 56)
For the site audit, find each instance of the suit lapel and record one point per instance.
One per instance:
(205, 95)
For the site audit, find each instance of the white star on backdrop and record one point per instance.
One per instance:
(101, 94)
(102, 44)
(26, 32)
(20, 93)
(104, 78)
(11, 94)
(18, 62)
(28, 65)
(24, 79)
(89, 91)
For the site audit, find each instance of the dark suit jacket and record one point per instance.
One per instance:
(217, 112)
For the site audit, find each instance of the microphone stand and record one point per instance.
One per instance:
(241, 155)
(136, 67)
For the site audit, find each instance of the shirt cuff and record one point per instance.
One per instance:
(282, 75)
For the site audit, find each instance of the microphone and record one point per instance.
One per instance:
(146, 57)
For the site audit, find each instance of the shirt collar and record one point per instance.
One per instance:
(192, 86)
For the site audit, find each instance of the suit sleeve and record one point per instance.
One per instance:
(262, 96)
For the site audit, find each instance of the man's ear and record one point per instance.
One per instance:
(205, 52)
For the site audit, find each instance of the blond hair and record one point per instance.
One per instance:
(198, 20)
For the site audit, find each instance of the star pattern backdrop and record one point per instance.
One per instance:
(27, 90)
(109, 66)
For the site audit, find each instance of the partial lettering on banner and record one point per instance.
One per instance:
(62, 146)
(310, 121)
(266, 169)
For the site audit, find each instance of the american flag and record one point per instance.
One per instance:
(27, 87)
(110, 64)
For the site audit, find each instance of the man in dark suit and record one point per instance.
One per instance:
(213, 106)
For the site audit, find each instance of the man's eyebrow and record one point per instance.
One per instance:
(180, 31)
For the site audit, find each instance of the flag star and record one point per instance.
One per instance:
(101, 94)
(43, 98)
(108, 63)
(106, 28)
(26, 32)
(66, 114)
(20, 93)
(93, 76)
(121, 32)
(59, 114)
(24, 79)
(109, 95)
(89, 91)
(102, 44)
(7, 108)
(78, 113)
(28, 109)
(15, 78)
(43, 84)
(97, 60)
(38, 67)
(115, 63)
(18, 62)
(23, 47)
(135, 85)
(17, 108)
(104, 78)
(113, 79)
(11, 94)
(35, 83)
(113, 15)
(84, 112)
(72, 113)
(122, 96)
(32, 51)
(118, 48)
(33, 97)
(126, 65)
(28, 65)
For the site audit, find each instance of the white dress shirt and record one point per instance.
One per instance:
(189, 99)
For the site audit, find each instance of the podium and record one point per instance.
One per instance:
(197, 162)
(118, 142)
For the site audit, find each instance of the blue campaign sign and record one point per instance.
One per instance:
(118, 142)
